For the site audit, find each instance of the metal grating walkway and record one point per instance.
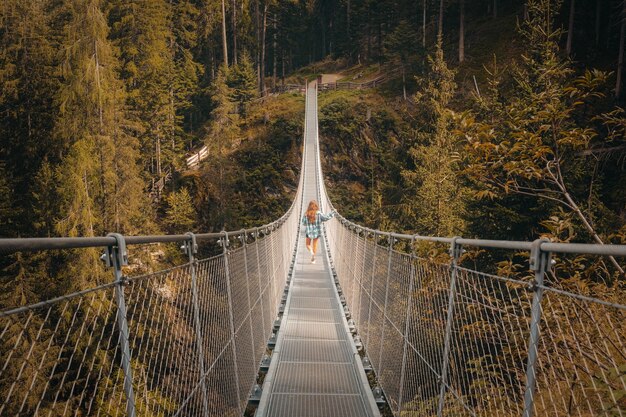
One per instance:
(315, 369)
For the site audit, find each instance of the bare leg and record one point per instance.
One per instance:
(315, 241)
(308, 244)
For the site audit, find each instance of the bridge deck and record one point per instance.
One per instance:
(315, 370)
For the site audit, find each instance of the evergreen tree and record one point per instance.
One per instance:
(223, 130)
(187, 71)
(436, 200)
(28, 84)
(99, 181)
(142, 30)
(242, 82)
(44, 201)
(180, 213)
(7, 213)
(401, 45)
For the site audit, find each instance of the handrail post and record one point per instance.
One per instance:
(255, 234)
(382, 336)
(369, 312)
(116, 256)
(243, 237)
(226, 252)
(191, 248)
(409, 307)
(539, 263)
(455, 253)
(363, 273)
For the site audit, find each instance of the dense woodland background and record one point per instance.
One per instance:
(510, 126)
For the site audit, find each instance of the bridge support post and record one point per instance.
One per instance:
(244, 242)
(369, 311)
(382, 336)
(191, 249)
(116, 256)
(539, 263)
(231, 317)
(255, 234)
(455, 252)
(409, 307)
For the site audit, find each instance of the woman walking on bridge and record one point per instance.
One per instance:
(312, 220)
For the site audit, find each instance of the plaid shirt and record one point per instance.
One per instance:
(313, 230)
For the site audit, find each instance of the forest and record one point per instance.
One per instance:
(499, 118)
(495, 119)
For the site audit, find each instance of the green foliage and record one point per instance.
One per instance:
(155, 39)
(362, 156)
(532, 141)
(436, 202)
(6, 210)
(242, 82)
(28, 84)
(180, 213)
(402, 43)
(100, 166)
(252, 182)
(224, 126)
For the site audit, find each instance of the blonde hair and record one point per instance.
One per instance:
(311, 211)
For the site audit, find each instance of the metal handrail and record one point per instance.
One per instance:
(554, 247)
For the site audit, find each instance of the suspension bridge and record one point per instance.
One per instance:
(376, 327)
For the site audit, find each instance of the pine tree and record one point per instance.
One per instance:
(401, 45)
(180, 213)
(187, 73)
(142, 30)
(223, 129)
(242, 82)
(44, 201)
(28, 84)
(99, 186)
(7, 214)
(435, 202)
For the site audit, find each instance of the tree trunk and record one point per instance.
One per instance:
(369, 36)
(589, 227)
(424, 25)
(258, 42)
(263, 33)
(598, 20)
(380, 42)
(495, 9)
(610, 24)
(570, 28)
(234, 32)
(323, 26)
(440, 29)
(158, 155)
(620, 58)
(348, 25)
(282, 59)
(526, 17)
(225, 45)
(274, 48)
(403, 82)
(462, 32)
(332, 37)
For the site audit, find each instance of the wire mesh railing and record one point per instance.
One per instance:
(450, 339)
(185, 341)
